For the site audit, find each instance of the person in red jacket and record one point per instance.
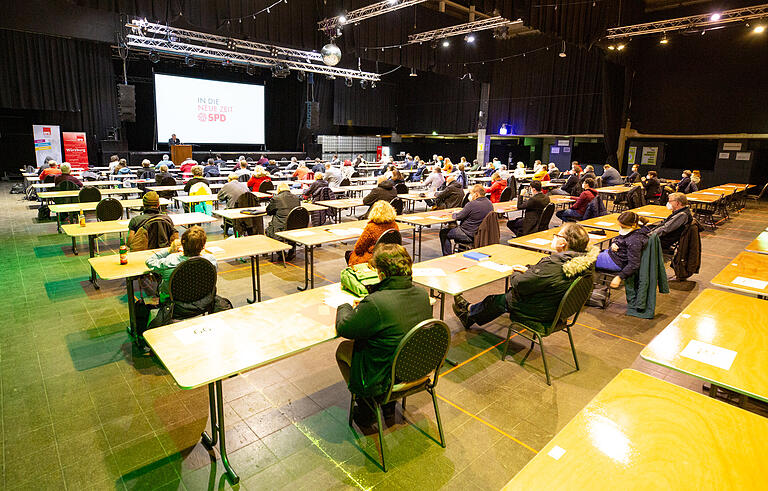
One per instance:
(186, 166)
(380, 219)
(497, 186)
(259, 175)
(577, 209)
(51, 170)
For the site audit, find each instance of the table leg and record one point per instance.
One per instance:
(216, 405)
(74, 246)
(92, 253)
(58, 222)
(312, 267)
(131, 308)
(420, 228)
(255, 280)
(414, 243)
(306, 268)
(442, 306)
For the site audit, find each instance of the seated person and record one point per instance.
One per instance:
(469, 219)
(384, 190)
(232, 190)
(347, 170)
(162, 174)
(51, 170)
(450, 197)
(320, 182)
(381, 218)
(435, 180)
(623, 256)
(497, 187)
(571, 186)
(533, 206)
(197, 176)
(186, 166)
(374, 327)
(447, 166)
(67, 176)
(535, 293)
(151, 209)
(332, 175)
(671, 228)
(652, 186)
(113, 161)
(271, 167)
(211, 169)
(278, 208)
(686, 185)
(589, 173)
(461, 176)
(634, 176)
(541, 174)
(553, 171)
(519, 171)
(577, 209)
(294, 164)
(301, 171)
(242, 169)
(397, 177)
(259, 175)
(167, 162)
(318, 167)
(146, 171)
(611, 176)
(122, 168)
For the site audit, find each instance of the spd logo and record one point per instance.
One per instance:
(213, 117)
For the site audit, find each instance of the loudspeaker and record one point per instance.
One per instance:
(313, 115)
(127, 102)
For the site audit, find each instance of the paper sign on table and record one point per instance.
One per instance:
(644, 213)
(709, 354)
(501, 268)
(556, 452)
(346, 231)
(539, 241)
(196, 334)
(605, 224)
(214, 249)
(596, 237)
(428, 272)
(749, 282)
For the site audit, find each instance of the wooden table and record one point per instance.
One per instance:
(617, 189)
(721, 320)
(749, 271)
(205, 350)
(180, 187)
(652, 211)
(91, 206)
(339, 205)
(75, 193)
(461, 274)
(94, 229)
(85, 183)
(640, 432)
(541, 241)
(313, 236)
(608, 222)
(760, 244)
(426, 219)
(109, 267)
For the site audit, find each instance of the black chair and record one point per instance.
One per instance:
(355, 174)
(758, 197)
(167, 181)
(545, 217)
(49, 179)
(705, 213)
(89, 194)
(571, 304)
(398, 204)
(345, 182)
(465, 200)
(418, 359)
(192, 282)
(65, 200)
(248, 226)
(506, 194)
(296, 219)
(401, 188)
(266, 186)
(390, 236)
(598, 182)
(109, 209)
(244, 178)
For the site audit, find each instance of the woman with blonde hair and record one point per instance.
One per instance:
(381, 218)
(447, 166)
(259, 175)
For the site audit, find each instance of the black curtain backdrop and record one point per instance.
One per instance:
(613, 108)
(51, 80)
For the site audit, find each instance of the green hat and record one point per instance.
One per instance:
(151, 200)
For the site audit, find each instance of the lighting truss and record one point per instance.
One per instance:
(172, 43)
(362, 13)
(478, 25)
(690, 22)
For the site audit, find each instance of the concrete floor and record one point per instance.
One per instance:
(82, 410)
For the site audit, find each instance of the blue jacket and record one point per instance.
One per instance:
(472, 215)
(630, 250)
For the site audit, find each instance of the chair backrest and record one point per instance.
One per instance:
(465, 200)
(66, 186)
(401, 188)
(168, 181)
(266, 186)
(420, 353)
(89, 194)
(573, 301)
(512, 183)
(246, 200)
(355, 174)
(488, 233)
(506, 195)
(345, 182)
(398, 205)
(762, 191)
(545, 217)
(598, 182)
(390, 236)
(192, 280)
(109, 209)
(244, 178)
(147, 174)
(49, 179)
(297, 218)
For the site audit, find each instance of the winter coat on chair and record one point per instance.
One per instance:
(640, 288)
(687, 259)
(595, 208)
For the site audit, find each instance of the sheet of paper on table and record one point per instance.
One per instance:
(644, 213)
(428, 272)
(501, 268)
(346, 231)
(750, 282)
(605, 224)
(197, 334)
(596, 237)
(709, 354)
(539, 241)
(214, 249)
(339, 298)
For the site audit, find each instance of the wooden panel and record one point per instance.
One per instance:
(531, 241)
(640, 432)
(329, 233)
(748, 265)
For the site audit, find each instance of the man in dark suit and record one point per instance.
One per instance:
(173, 140)
(534, 207)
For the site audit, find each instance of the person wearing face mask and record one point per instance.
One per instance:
(670, 230)
(686, 185)
(623, 256)
(535, 291)
(652, 186)
(634, 176)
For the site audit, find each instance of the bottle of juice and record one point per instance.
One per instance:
(81, 218)
(123, 252)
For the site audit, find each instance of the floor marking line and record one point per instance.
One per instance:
(610, 334)
(486, 423)
(473, 357)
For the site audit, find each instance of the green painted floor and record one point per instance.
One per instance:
(82, 410)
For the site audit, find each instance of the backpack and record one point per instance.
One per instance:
(17, 188)
(43, 213)
(140, 240)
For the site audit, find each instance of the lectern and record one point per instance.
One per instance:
(180, 153)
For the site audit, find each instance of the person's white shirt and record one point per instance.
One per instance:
(520, 172)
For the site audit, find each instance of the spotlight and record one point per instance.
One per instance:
(373, 84)
(342, 19)
(300, 76)
(154, 57)
(611, 47)
(470, 38)
(664, 40)
(189, 61)
(231, 44)
(715, 17)
(433, 43)
(280, 70)
(505, 129)
(348, 81)
(620, 47)
(392, 2)
(331, 77)
(759, 29)
(446, 43)
(250, 69)
(363, 83)
(226, 63)
(562, 51)
(413, 73)
(338, 32)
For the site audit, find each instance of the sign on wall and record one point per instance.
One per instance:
(75, 149)
(631, 154)
(47, 139)
(650, 154)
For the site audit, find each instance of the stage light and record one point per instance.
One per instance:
(331, 54)
(759, 29)
(715, 17)
(363, 83)
(231, 44)
(226, 63)
(446, 43)
(664, 40)
(413, 73)
(250, 69)
(611, 47)
(342, 19)
(470, 38)
(373, 84)
(505, 129)
(348, 82)
(280, 70)
(189, 61)
(154, 57)
(562, 51)
(392, 2)
(300, 76)
(434, 132)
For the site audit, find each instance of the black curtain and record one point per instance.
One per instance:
(613, 108)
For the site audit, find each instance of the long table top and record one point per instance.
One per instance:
(746, 273)
(760, 244)
(108, 267)
(541, 241)
(655, 211)
(119, 226)
(456, 273)
(208, 348)
(312, 236)
(716, 326)
(640, 432)
(76, 192)
(609, 222)
(46, 185)
(91, 205)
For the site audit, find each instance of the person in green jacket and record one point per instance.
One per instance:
(535, 293)
(375, 327)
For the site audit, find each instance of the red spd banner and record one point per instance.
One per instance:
(75, 149)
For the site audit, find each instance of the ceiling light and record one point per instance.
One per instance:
(620, 47)
(342, 19)
(664, 40)
(154, 57)
(759, 29)
(392, 2)
(611, 47)
(715, 17)
(470, 38)
(250, 69)
(446, 43)
(562, 51)
(373, 84)
(413, 73)
(348, 82)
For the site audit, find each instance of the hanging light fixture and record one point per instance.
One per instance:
(413, 73)
(664, 39)
(562, 51)
(331, 54)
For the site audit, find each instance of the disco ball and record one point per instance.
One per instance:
(331, 54)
